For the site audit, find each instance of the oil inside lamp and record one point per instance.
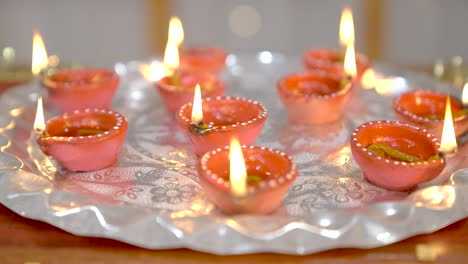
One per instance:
(39, 55)
(237, 170)
(448, 140)
(346, 27)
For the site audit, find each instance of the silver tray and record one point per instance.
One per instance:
(151, 197)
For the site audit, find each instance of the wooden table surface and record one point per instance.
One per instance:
(27, 241)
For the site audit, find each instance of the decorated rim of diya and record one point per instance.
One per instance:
(184, 113)
(197, 55)
(209, 83)
(118, 120)
(317, 75)
(265, 185)
(386, 161)
(396, 156)
(400, 109)
(328, 57)
(83, 82)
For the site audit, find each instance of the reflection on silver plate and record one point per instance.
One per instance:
(151, 197)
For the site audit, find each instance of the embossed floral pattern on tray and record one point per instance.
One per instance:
(151, 197)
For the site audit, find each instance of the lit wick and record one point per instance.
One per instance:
(448, 144)
(198, 126)
(39, 123)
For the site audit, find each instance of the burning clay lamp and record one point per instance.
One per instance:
(332, 61)
(314, 97)
(203, 59)
(426, 109)
(196, 59)
(77, 89)
(396, 156)
(83, 140)
(254, 186)
(178, 89)
(212, 126)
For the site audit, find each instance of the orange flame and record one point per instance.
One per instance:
(197, 112)
(171, 58)
(39, 55)
(448, 143)
(350, 61)
(176, 31)
(237, 169)
(465, 95)
(39, 123)
(346, 27)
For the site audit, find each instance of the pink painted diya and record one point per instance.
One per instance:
(314, 97)
(223, 117)
(396, 156)
(426, 109)
(203, 59)
(177, 90)
(84, 140)
(273, 170)
(77, 89)
(332, 61)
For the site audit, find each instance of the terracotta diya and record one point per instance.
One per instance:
(314, 97)
(426, 109)
(203, 59)
(396, 156)
(332, 61)
(267, 176)
(195, 59)
(220, 118)
(83, 140)
(77, 89)
(177, 89)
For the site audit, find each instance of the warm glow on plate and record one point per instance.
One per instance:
(448, 143)
(176, 31)
(465, 94)
(39, 55)
(368, 79)
(152, 72)
(350, 61)
(39, 123)
(197, 113)
(346, 28)
(237, 169)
